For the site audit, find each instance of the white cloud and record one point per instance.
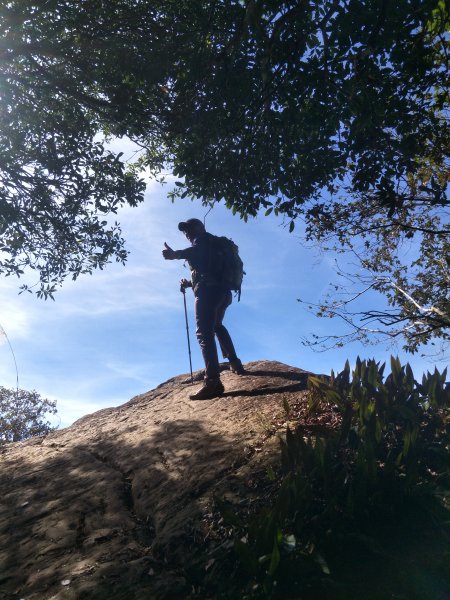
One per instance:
(14, 318)
(116, 290)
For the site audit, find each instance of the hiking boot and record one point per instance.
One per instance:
(236, 367)
(212, 388)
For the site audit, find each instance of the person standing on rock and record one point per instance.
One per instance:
(212, 298)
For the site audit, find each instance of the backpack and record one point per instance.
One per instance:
(227, 265)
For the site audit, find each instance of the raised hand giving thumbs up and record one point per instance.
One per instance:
(168, 253)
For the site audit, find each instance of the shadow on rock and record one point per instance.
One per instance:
(82, 520)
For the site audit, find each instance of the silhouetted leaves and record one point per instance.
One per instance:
(260, 105)
(383, 472)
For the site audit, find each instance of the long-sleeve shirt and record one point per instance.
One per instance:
(201, 260)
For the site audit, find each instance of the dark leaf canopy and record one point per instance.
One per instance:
(334, 111)
(249, 101)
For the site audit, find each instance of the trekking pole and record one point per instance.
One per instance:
(187, 332)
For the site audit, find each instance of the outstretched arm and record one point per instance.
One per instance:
(169, 253)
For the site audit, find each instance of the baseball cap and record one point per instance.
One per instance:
(190, 224)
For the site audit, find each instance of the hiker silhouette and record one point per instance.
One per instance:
(212, 291)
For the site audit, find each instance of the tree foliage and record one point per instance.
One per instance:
(57, 182)
(332, 112)
(23, 415)
(405, 258)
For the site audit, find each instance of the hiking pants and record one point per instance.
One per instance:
(211, 302)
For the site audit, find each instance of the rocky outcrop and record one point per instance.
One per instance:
(97, 509)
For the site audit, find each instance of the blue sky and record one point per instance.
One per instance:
(121, 331)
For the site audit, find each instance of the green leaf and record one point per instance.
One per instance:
(270, 473)
(274, 558)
